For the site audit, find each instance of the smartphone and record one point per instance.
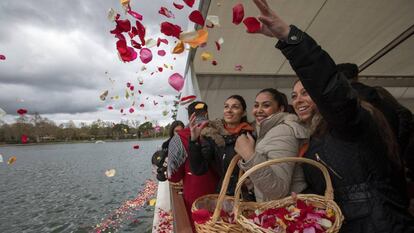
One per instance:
(200, 116)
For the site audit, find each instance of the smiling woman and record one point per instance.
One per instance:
(279, 134)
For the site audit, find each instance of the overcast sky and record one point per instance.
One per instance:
(60, 57)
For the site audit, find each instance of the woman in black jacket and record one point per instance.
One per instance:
(215, 147)
(350, 137)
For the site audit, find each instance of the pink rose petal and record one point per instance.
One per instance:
(161, 53)
(145, 55)
(176, 81)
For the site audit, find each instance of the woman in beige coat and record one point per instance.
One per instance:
(279, 134)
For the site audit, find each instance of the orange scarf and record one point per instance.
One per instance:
(242, 126)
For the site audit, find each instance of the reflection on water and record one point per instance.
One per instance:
(63, 188)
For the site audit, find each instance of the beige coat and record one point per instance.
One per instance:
(279, 136)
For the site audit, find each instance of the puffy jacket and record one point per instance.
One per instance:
(279, 136)
(363, 176)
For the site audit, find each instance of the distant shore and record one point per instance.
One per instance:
(2, 144)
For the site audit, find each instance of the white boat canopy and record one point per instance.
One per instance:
(374, 34)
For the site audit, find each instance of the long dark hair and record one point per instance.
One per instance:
(243, 104)
(173, 126)
(278, 96)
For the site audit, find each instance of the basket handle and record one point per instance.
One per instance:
(328, 191)
(224, 186)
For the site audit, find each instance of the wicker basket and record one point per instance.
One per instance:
(218, 202)
(241, 209)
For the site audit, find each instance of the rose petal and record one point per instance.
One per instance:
(11, 160)
(110, 172)
(136, 44)
(214, 63)
(135, 14)
(131, 110)
(110, 107)
(238, 14)
(197, 17)
(161, 53)
(121, 26)
(189, 3)
(176, 81)
(22, 111)
(112, 14)
(150, 43)
(178, 6)
(252, 24)
(201, 216)
(141, 32)
(205, 56)
(179, 48)
(141, 105)
(195, 39)
(170, 29)
(159, 41)
(104, 95)
(145, 55)
(2, 57)
(213, 19)
(238, 67)
(167, 13)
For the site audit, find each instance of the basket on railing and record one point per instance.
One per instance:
(218, 202)
(244, 209)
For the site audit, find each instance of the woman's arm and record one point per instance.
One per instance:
(273, 182)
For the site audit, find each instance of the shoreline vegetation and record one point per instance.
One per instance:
(37, 130)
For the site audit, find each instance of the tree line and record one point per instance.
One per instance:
(38, 129)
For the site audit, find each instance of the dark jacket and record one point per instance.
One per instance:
(215, 150)
(363, 176)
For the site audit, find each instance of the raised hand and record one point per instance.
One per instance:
(272, 24)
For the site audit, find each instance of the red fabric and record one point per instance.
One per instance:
(303, 149)
(193, 186)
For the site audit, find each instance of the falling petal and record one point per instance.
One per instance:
(150, 43)
(178, 6)
(252, 24)
(152, 202)
(11, 160)
(205, 56)
(170, 29)
(141, 105)
(110, 172)
(143, 68)
(136, 147)
(160, 69)
(104, 95)
(161, 53)
(176, 81)
(195, 39)
(167, 13)
(214, 20)
(110, 107)
(135, 14)
(197, 17)
(214, 63)
(24, 138)
(131, 88)
(179, 48)
(189, 3)
(159, 41)
(126, 94)
(145, 55)
(112, 15)
(238, 14)
(238, 67)
(165, 113)
(22, 111)
(155, 103)
(131, 110)
(2, 57)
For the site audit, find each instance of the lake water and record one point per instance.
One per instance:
(63, 187)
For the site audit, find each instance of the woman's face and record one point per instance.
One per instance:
(302, 103)
(233, 111)
(264, 106)
(177, 128)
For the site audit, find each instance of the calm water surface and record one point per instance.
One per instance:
(63, 188)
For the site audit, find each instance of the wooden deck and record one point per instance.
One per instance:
(181, 220)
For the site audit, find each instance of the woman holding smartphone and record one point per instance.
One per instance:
(212, 144)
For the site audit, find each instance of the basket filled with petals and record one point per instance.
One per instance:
(298, 213)
(214, 212)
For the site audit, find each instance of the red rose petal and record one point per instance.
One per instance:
(238, 14)
(145, 55)
(170, 29)
(121, 26)
(160, 69)
(136, 44)
(141, 32)
(197, 17)
(252, 24)
(201, 216)
(218, 46)
(131, 110)
(167, 13)
(136, 147)
(128, 84)
(161, 53)
(159, 41)
(139, 91)
(122, 110)
(141, 105)
(178, 6)
(131, 88)
(2, 57)
(110, 107)
(126, 53)
(214, 63)
(155, 103)
(135, 14)
(189, 3)
(24, 138)
(22, 111)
